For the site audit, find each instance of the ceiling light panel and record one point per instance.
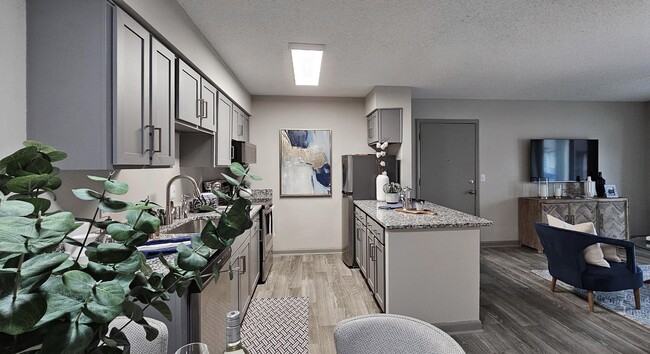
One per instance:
(306, 60)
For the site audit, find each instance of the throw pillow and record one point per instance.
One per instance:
(593, 254)
(610, 252)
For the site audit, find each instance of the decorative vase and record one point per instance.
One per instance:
(600, 185)
(588, 188)
(392, 198)
(382, 179)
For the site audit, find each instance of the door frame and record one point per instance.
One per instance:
(477, 181)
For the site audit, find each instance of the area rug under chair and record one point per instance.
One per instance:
(277, 325)
(621, 302)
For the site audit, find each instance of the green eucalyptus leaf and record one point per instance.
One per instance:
(60, 300)
(188, 260)
(62, 222)
(120, 232)
(146, 222)
(210, 238)
(144, 267)
(139, 239)
(237, 169)
(53, 183)
(42, 263)
(113, 252)
(33, 143)
(109, 294)
(18, 225)
(68, 338)
(198, 280)
(12, 243)
(129, 265)
(15, 208)
(206, 208)
(63, 267)
(131, 310)
(162, 307)
(19, 315)
(86, 194)
(216, 273)
(254, 177)
(27, 184)
(151, 333)
(235, 221)
(113, 205)
(116, 187)
(198, 247)
(45, 241)
(222, 195)
(19, 159)
(230, 180)
(100, 272)
(39, 204)
(57, 155)
(97, 178)
(101, 313)
(78, 282)
(39, 166)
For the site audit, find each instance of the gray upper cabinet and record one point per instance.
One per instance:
(238, 118)
(224, 119)
(385, 124)
(197, 99)
(144, 123)
(94, 98)
(163, 104)
(70, 79)
(246, 128)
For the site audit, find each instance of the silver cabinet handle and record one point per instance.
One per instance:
(243, 266)
(232, 152)
(150, 140)
(159, 139)
(205, 110)
(199, 108)
(471, 191)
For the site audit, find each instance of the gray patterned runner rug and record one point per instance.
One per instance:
(277, 325)
(621, 302)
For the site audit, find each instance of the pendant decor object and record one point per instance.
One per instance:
(600, 185)
(382, 179)
(589, 188)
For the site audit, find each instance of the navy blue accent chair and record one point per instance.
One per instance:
(566, 262)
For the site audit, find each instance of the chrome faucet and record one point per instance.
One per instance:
(169, 215)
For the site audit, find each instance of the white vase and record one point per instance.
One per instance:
(382, 179)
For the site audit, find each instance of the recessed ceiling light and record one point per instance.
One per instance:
(306, 63)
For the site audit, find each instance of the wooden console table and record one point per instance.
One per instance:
(609, 215)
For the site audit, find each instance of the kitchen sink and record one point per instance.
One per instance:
(190, 227)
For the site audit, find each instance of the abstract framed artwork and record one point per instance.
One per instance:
(305, 163)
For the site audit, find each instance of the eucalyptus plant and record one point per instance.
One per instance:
(52, 304)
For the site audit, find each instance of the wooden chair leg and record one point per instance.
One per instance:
(637, 299)
(590, 299)
(553, 284)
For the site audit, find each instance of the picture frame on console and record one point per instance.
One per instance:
(610, 191)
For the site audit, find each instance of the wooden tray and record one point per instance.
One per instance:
(424, 211)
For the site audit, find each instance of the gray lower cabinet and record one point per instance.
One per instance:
(372, 258)
(370, 263)
(94, 99)
(380, 274)
(245, 262)
(255, 255)
(359, 245)
(385, 124)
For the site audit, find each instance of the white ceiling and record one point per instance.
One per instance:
(519, 49)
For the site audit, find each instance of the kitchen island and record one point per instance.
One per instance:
(422, 265)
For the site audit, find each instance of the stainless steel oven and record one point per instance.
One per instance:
(266, 246)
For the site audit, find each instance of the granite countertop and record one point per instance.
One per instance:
(444, 218)
(155, 263)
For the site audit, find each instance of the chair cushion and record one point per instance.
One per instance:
(593, 254)
(615, 278)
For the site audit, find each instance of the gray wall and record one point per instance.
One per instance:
(12, 75)
(306, 224)
(505, 128)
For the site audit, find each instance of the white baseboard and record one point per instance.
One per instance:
(299, 252)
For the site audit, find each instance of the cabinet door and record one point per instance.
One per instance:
(246, 128)
(244, 286)
(224, 117)
(558, 210)
(363, 264)
(370, 265)
(583, 212)
(357, 241)
(189, 94)
(380, 274)
(373, 128)
(163, 101)
(613, 219)
(130, 132)
(390, 125)
(237, 124)
(254, 270)
(209, 99)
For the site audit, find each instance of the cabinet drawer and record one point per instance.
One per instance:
(360, 215)
(376, 229)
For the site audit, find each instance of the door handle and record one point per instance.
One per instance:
(205, 110)
(199, 108)
(471, 191)
(159, 139)
(242, 266)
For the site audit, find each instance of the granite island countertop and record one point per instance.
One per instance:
(444, 218)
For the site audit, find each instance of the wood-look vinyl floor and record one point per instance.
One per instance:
(519, 312)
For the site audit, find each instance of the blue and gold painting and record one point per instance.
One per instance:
(305, 163)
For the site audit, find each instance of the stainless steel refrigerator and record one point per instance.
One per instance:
(359, 175)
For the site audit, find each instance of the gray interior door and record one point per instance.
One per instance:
(447, 160)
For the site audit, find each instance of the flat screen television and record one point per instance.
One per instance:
(563, 160)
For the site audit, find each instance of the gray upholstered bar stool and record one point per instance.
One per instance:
(389, 334)
(136, 335)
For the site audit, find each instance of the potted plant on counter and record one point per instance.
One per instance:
(52, 304)
(392, 191)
